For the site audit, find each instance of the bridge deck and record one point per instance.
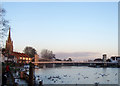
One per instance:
(47, 62)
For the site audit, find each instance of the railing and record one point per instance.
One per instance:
(45, 62)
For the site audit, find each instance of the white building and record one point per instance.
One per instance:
(115, 59)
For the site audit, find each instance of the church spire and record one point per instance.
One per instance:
(9, 43)
(9, 36)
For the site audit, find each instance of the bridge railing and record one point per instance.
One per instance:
(44, 62)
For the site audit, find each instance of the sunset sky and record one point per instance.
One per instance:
(81, 30)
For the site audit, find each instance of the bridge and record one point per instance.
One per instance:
(49, 62)
(73, 63)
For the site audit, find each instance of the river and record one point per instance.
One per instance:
(77, 75)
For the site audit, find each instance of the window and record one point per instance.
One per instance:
(20, 57)
(27, 59)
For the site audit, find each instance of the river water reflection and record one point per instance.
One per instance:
(77, 75)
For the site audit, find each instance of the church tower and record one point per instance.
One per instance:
(9, 44)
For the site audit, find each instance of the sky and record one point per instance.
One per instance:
(80, 30)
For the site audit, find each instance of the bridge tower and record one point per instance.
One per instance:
(104, 59)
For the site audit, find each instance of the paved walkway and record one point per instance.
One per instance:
(9, 80)
(6, 79)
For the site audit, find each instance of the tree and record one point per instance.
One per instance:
(64, 60)
(3, 26)
(108, 60)
(47, 54)
(30, 51)
(3, 51)
(69, 59)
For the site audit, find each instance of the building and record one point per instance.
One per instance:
(15, 56)
(115, 59)
(21, 57)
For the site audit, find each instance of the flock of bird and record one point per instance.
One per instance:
(57, 78)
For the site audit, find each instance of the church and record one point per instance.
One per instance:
(15, 56)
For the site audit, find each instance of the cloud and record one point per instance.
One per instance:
(77, 55)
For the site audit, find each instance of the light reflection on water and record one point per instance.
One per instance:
(78, 75)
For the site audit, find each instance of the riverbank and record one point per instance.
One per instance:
(12, 78)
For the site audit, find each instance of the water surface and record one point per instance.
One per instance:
(77, 75)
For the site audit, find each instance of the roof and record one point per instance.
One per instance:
(20, 54)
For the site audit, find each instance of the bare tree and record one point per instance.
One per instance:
(30, 51)
(69, 59)
(3, 26)
(47, 54)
